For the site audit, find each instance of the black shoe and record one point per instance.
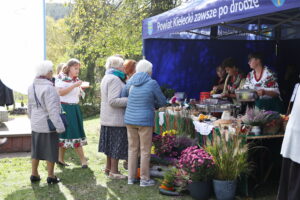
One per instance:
(84, 166)
(53, 180)
(63, 164)
(34, 178)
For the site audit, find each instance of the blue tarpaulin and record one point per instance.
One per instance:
(204, 13)
(190, 65)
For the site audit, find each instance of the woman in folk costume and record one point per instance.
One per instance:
(264, 81)
(69, 89)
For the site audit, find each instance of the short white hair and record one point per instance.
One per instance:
(114, 62)
(144, 66)
(43, 68)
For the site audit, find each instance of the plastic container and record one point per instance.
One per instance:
(204, 95)
(246, 95)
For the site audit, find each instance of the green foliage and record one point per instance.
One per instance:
(170, 177)
(58, 41)
(95, 30)
(19, 98)
(89, 110)
(167, 91)
(230, 155)
(160, 6)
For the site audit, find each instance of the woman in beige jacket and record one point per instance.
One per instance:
(113, 133)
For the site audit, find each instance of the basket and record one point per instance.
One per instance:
(272, 127)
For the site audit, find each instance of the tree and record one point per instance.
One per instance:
(58, 40)
(101, 28)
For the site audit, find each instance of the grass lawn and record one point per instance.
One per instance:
(77, 183)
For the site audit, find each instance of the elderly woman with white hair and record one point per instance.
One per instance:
(113, 133)
(44, 104)
(144, 95)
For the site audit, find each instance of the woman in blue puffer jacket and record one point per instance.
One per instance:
(144, 95)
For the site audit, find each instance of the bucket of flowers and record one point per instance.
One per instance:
(198, 167)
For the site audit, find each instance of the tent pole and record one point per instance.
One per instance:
(213, 32)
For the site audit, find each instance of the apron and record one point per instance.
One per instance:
(290, 146)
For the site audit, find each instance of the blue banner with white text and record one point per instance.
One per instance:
(203, 13)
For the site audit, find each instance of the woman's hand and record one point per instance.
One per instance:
(224, 95)
(77, 84)
(215, 88)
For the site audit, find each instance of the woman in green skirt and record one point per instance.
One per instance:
(69, 88)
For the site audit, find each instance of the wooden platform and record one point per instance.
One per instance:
(18, 134)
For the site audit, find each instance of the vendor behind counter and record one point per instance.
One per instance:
(264, 81)
(234, 79)
(220, 80)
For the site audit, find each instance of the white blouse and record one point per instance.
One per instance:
(290, 145)
(267, 81)
(71, 97)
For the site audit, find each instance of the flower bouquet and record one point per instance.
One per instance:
(197, 163)
(254, 117)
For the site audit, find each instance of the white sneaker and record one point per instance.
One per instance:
(146, 183)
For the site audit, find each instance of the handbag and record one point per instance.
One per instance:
(62, 114)
(63, 117)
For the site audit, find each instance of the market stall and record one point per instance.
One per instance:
(176, 125)
(190, 50)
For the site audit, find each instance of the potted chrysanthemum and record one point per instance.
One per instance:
(200, 167)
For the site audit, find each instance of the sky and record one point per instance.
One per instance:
(22, 42)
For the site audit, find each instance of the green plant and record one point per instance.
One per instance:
(167, 91)
(230, 154)
(169, 178)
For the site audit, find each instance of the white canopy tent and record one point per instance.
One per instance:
(22, 39)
